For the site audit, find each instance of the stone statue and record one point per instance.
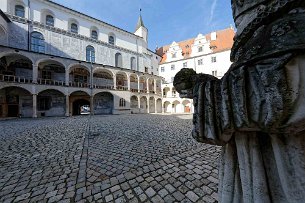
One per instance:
(257, 110)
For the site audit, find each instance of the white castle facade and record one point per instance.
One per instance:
(55, 61)
(209, 54)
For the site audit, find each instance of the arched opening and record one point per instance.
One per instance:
(51, 103)
(118, 60)
(74, 27)
(158, 87)
(103, 79)
(103, 103)
(15, 102)
(94, 33)
(143, 105)
(134, 103)
(16, 68)
(166, 92)
(121, 81)
(111, 39)
(51, 73)
(174, 92)
(79, 76)
(90, 54)
(167, 107)
(37, 42)
(19, 11)
(152, 107)
(143, 86)
(176, 106)
(187, 106)
(133, 82)
(151, 86)
(133, 64)
(80, 103)
(50, 20)
(159, 106)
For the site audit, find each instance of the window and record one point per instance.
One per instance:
(122, 102)
(200, 62)
(172, 67)
(146, 70)
(111, 39)
(90, 54)
(94, 34)
(19, 11)
(74, 28)
(118, 60)
(37, 42)
(47, 75)
(174, 55)
(44, 103)
(172, 79)
(199, 49)
(162, 69)
(214, 73)
(50, 20)
(213, 59)
(133, 63)
(174, 92)
(184, 64)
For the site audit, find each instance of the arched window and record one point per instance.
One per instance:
(118, 60)
(94, 34)
(19, 11)
(90, 54)
(37, 42)
(50, 20)
(133, 63)
(122, 102)
(74, 28)
(111, 39)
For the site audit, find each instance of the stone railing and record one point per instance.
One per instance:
(79, 84)
(16, 79)
(134, 90)
(122, 88)
(50, 82)
(108, 87)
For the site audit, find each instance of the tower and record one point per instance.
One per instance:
(141, 30)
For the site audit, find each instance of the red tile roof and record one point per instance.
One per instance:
(224, 41)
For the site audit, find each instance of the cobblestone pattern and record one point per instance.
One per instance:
(129, 158)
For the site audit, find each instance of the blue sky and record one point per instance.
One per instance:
(166, 20)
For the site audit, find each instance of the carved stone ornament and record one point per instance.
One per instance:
(257, 110)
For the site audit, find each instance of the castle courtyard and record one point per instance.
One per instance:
(126, 158)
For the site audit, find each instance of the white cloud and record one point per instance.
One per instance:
(213, 7)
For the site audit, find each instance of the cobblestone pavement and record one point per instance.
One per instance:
(127, 158)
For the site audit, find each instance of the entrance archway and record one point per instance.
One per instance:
(15, 102)
(152, 108)
(103, 103)
(51, 102)
(81, 107)
(159, 106)
(167, 107)
(143, 105)
(186, 106)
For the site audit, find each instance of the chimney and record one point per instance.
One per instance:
(213, 36)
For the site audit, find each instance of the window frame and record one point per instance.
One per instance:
(39, 45)
(213, 59)
(185, 65)
(200, 62)
(20, 7)
(162, 69)
(173, 67)
(90, 57)
(112, 42)
(73, 30)
(52, 22)
(93, 36)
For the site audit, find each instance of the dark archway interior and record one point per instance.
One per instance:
(77, 106)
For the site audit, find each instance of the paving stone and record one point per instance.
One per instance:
(150, 192)
(192, 196)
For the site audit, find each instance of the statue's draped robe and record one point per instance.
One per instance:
(257, 113)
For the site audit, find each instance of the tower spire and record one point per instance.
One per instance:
(140, 21)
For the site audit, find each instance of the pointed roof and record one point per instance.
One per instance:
(140, 22)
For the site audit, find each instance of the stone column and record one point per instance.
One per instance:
(156, 106)
(148, 104)
(67, 106)
(139, 103)
(138, 85)
(91, 105)
(128, 82)
(35, 73)
(155, 86)
(147, 85)
(114, 82)
(34, 106)
(162, 107)
(67, 78)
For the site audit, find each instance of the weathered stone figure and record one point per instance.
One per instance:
(257, 110)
